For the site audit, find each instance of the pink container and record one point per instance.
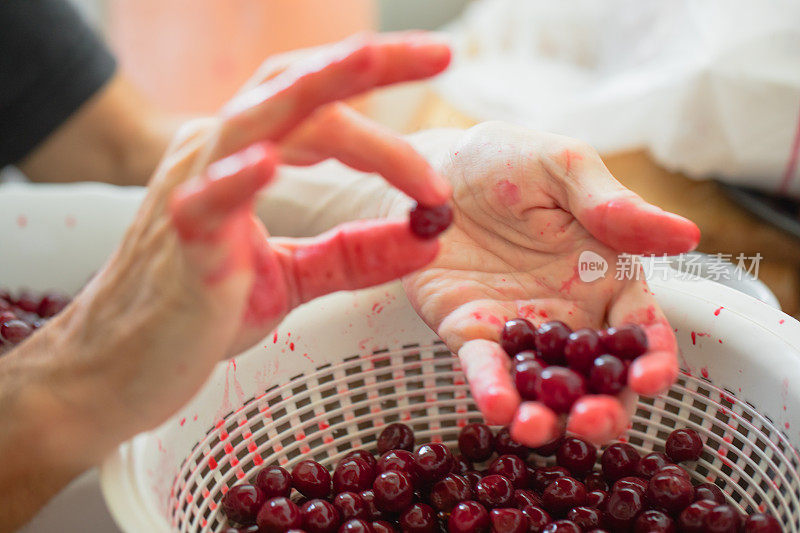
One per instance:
(192, 55)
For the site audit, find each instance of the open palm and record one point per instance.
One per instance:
(527, 205)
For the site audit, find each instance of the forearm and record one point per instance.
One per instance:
(39, 445)
(115, 137)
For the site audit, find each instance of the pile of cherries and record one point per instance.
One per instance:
(431, 490)
(557, 366)
(22, 313)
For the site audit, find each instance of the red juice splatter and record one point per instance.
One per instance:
(694, 338)
(704, 372)
(716, 313)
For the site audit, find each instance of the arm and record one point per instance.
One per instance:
(115, 137)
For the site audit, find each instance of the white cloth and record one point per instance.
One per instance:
(710, 87)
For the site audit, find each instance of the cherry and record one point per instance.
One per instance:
(607, 375)
(595, 481)
(393, 490)
(371, 509)
(631, 482)
(382, 526)
(434, 461)
(311, 479)
(692, 517)
(508, 521)
(364, 455)
(448, 492)
(597, 499)
(518, 335)
(319, 516)
(351, 505)
(476, 442)
(353, 475)
(684, 445)
(401, 461)
(722, 519)
(619, 460)
(545, 475)
(505, 445)
(537, 518)
(709, 491)
(576, 455)
(653, 522)
(512, 468)
(14, 331)
(526, 378)
(274, 481)
(582, 348)
(558, 388)
(468, 517)
(428, 222)
(27, 302)
(461, 465)
(277, 515)
(562, 526)
(549, 449)
(356, 525)
(562, 495)
(494, 491)
(419, 518)
(761, 523)
(523, 497)
(675, 470)
(396, 437)
(585, 517)
(242, 502)
(473, 478)
(551, 339)
(51, 304)
(622, 507)
(669, 492)
(627, 342)
(650, 464)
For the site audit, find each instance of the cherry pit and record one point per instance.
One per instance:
(492, 485)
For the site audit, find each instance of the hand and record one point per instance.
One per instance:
(526, 205)
(197, 278)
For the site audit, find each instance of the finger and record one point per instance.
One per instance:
(275, 107)
(613, 214)
(338, 131)
(598, 419)
(654, 372)
(353, 256)
(487, 369)
(199, 207)
(535, 425)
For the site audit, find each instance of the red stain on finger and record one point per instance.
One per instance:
(568, 157)
(507, 193)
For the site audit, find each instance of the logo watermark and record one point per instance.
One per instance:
(715, 267)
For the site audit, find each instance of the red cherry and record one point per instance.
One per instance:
(558, 388)
(551, 339)
(512, 468)
(448, 492)
(277, 515)
(242, 502)
(274, 481)
(494, 491)
(650, 464)
(576, 455)
(476, 442)
(311, 479)
(684, 445)
(582, 348)
(319, 516)
(396, 437)
(351, 505)
(508, 521)
(518, 335)
(428, 222)
(670, 492)
(562, 495)
(394, 491)
(419, 518)
(653, 522)
(627, 342)
(468, 517)
(762, 523)
(353, 475)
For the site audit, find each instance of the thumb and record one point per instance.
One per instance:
(617, 216)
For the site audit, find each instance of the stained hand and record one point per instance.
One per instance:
(526, 205)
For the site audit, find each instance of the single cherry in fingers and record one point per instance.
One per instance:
(428, 222)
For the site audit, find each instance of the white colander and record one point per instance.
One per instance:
(341, 368)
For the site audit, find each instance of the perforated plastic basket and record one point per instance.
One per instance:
(341, 368)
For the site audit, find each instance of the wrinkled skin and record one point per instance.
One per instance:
(526, 205)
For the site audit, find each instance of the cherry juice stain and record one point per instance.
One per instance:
(22, 221)
(716, 313)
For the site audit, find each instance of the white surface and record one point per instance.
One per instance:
(711, 87)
